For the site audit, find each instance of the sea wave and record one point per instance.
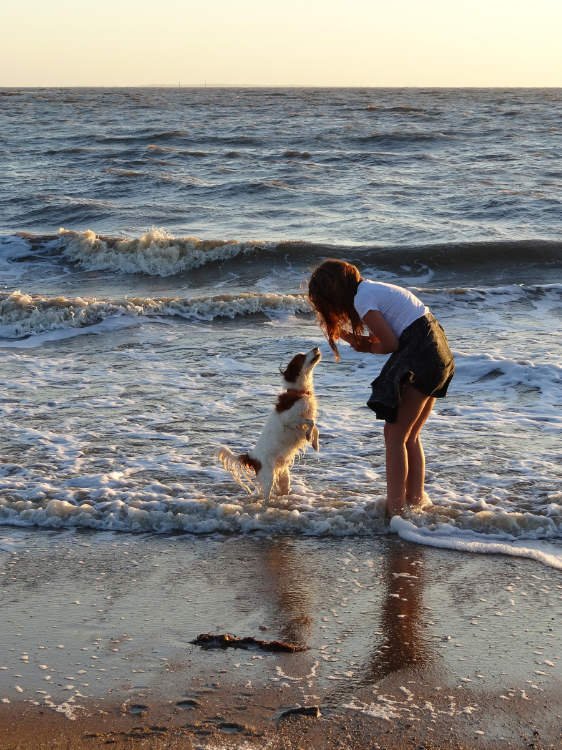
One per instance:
(194, 516)
(158, 253)
(141, 137)
(403, 109)
(107, 503)
(399, 138)
(23, 315)
(155, 253)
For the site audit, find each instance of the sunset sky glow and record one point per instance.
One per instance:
(266, 43)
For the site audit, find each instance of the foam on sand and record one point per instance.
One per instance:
(448, 536)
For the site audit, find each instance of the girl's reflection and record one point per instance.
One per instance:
(402, 623)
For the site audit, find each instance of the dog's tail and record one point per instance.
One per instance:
(243, 467)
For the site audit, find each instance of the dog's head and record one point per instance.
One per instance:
(298, 373)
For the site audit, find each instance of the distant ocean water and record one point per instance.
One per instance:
(178, 227)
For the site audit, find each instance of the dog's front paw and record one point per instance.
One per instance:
(308, 426)
(315, 438)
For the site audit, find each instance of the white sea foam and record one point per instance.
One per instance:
(23, 314)
(155, 478)
(385, 708)
(490, 374)
(119, 501)
(410, 707)
(120, 434)
(114, 508)
(36, 340)
(125, 500)
(449, 536)
(156, 252)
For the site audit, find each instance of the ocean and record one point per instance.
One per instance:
(155, 246)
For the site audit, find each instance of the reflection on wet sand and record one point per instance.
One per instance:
(400, 642)
(289, 588)
(402, 622)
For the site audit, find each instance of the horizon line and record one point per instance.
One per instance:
(271, 86)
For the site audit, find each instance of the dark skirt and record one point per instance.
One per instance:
(423, 359)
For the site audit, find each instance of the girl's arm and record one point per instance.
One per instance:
(382, 339)
(385, 340)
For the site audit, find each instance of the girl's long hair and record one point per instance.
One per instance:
(331, 291)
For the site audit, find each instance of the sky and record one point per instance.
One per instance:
(281, 42)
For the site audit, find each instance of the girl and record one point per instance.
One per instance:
(383, 318)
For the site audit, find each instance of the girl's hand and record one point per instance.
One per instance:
(359, 343)
(348, 337)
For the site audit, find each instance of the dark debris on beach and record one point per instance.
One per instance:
(227, 640)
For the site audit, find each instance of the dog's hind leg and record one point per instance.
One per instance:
(266, 478)
(284, 481)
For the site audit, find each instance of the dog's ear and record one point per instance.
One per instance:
(294, 368)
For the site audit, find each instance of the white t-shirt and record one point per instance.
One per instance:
(398, 306)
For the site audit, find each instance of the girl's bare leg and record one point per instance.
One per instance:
(396, 436)
(416, 458)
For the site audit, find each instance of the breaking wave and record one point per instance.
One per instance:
(113, 503)
(23, 315)
(155, 253)
(158, 253)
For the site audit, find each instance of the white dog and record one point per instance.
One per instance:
(288, 430)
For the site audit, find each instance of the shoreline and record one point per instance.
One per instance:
(404, 644)
(453, 719)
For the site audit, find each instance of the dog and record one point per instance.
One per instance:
(290, 427)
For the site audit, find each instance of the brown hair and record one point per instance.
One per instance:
(331, 290)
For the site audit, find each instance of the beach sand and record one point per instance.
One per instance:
(405, 646)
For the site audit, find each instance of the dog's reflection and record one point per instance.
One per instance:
(289, 587)
(400, 642)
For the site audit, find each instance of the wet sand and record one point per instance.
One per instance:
(406, 646)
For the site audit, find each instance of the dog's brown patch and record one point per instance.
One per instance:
(294, 368)
(249, 462)
(286, 399)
